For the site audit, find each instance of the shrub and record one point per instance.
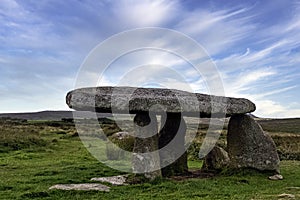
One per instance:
(19, 137)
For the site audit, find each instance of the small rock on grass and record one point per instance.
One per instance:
(114, 180)
(276, 177)
(293, 188)
(83, 186)
(284, 195)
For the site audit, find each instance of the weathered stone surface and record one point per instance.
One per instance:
(145, 159)
(82, 186)
(216, 160)
(114, 180)
(134, 100)
(171, 145)
(249, 147)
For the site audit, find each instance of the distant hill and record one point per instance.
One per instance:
(49, 115)
(288, 125)
(254, 116)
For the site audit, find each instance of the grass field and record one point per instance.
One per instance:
(37, 155)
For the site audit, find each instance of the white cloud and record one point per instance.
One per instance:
(135, 13)
(268, 108)
(272, 92)
(238, 85)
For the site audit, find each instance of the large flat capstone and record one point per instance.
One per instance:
(134, 100)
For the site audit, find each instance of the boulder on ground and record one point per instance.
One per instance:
(216, 160)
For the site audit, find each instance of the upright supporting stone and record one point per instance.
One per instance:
(171, 145)
(249, 147)
(145, 158)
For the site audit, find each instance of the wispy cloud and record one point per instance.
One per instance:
(145, 13)
(255, 46)
(244, 82)
(216, 30)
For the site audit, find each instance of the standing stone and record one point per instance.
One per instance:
(216, 160)
(249, 147)
(171, 145)
(145, 158)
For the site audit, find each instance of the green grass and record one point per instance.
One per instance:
(28, 172)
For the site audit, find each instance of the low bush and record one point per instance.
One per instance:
(17, 138)
(288, 146)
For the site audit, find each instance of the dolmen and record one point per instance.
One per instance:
(248, 146)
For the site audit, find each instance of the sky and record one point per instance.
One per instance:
(255, 46)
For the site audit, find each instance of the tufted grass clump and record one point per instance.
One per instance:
(287, 146)
(20, 137)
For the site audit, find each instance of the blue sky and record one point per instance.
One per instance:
(255, 46)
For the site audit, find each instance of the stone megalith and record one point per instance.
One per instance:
(249, 146)
(157, 101)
